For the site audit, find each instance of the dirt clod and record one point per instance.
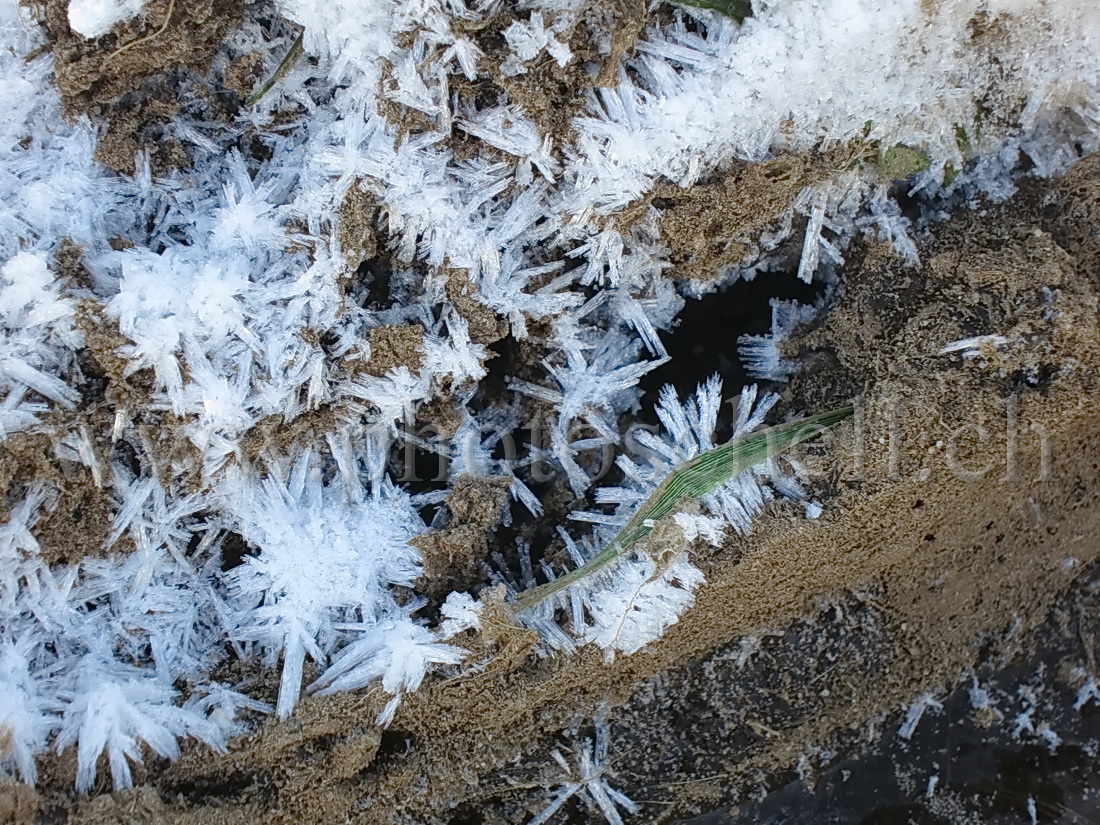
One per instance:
(393, 346)
(1077, 206)
(357, 236)
(18, 802)
(453, 556)
(127, 78)
(485, 326)
(707, 225)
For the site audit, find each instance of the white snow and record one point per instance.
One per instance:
(91, 18)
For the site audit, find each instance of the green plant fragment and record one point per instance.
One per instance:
(899, 161)
(738, 10)
(285, 66)
(692, 479)
(962, 140)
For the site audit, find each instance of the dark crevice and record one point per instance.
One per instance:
(234, 549)
(909, 204)
(210, 790)
(466, 815)
(704, 341)
(372, 283)
(505, 360)
(419, 471)
(394, 745)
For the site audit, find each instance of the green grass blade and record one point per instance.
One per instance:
(692, 479)
(284, 67)
(738, 10)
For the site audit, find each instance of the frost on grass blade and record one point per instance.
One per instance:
(641, 580)
(695, 479)
(641, 606)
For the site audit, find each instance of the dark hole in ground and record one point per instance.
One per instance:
(123, 452)
(94, 386)
(419, 471)
(234, 549)
(466, 815)
(910, 204)
(503, 364)
(372, 283)
(1037, 379)
(704, 340)
(394, 745)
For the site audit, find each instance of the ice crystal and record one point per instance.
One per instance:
(915, 713)
(588, 779)
(322, 563)
(760, 353)
(633, 602)
(113, 707)
(25, 718)
(37, 338)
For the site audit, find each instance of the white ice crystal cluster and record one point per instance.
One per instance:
(589, 779)
(256, 419)
(291, 602)
(40, 333)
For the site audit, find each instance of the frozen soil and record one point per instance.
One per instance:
(967, 761)
(960, 506)
(128, 79)
(959, 527)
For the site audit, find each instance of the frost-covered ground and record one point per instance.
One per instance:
(266, 356)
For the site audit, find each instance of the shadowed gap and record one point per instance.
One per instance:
(704, 340)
